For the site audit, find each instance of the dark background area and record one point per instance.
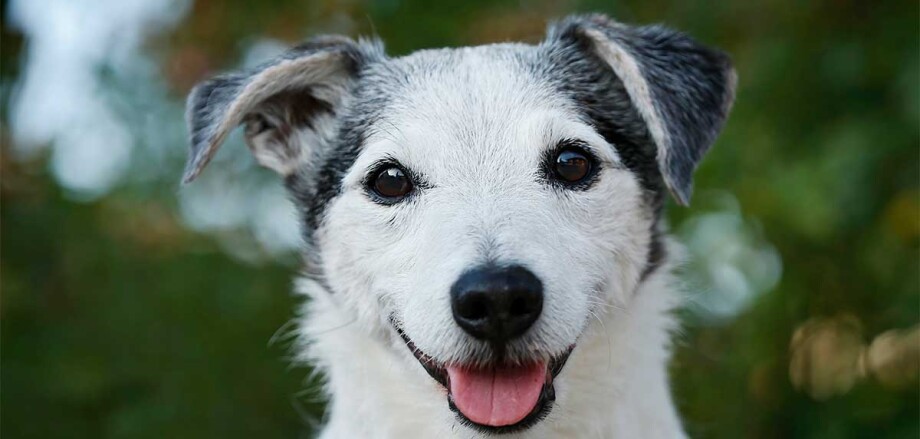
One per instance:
(118, 319)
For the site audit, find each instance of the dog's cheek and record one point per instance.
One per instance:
(624, 227)
(360, 251)
(606, 233)
(392, 261)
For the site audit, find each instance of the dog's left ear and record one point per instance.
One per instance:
(288, 104)
(681, 89)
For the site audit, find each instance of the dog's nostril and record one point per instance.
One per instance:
(476, 308)
(518, 307)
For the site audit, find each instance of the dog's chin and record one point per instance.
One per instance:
(496, 398)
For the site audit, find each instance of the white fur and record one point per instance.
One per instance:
(481, 154)
(614, 386)
(476, 129)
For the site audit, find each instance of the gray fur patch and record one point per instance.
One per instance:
(690, 86)
(218, 105)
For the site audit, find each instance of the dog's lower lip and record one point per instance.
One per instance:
(436, 371)
(547, 395)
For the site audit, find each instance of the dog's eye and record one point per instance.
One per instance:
(391, 182)
(571, 165)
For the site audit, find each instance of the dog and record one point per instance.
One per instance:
(484, 245)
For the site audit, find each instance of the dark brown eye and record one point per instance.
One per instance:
(572, 166)
(392, 182)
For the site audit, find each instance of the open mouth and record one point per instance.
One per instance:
(496, 398)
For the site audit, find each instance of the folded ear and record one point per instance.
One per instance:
(288, 104)
(681, 89)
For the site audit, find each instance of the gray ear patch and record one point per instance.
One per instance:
(681, 89)
(287, 103)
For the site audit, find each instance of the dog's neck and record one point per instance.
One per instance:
(615, 384)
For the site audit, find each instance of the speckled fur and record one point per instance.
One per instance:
(474, 125)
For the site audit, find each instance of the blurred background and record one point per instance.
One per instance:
(133, 307)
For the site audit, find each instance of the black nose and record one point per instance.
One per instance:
(497, 303)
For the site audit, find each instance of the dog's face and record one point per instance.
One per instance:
(480, 205)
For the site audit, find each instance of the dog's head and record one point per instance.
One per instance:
(479, 204)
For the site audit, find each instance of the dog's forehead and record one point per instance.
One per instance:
(464, 83)
(462, 100)
(464, 67)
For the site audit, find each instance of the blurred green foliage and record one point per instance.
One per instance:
(117, 322)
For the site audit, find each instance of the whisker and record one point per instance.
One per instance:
(287, 331)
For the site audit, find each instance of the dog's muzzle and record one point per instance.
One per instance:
(496, 305)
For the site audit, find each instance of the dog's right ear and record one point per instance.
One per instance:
(288, 104)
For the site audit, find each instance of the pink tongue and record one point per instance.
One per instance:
(497, 396)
